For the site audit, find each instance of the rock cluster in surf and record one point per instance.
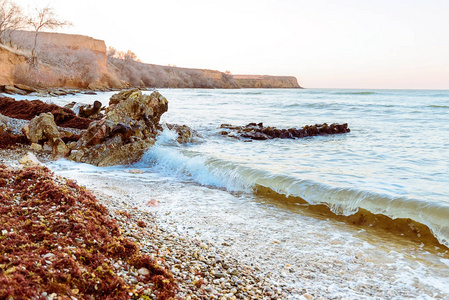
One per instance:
(125, 133)
(255, 131)
(121, 135)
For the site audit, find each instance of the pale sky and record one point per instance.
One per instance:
(390, 44)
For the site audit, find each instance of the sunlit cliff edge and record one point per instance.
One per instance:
(77, 61)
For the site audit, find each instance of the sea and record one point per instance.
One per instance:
(360, 215)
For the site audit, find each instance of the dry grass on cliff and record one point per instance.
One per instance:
(55, 238)
(140, 74)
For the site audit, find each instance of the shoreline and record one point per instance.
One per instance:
(202, 270)
(265, 260)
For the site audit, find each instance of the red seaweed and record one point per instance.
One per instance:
(55, 237)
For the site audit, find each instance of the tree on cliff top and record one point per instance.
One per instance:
(11, 19)
(44, 18)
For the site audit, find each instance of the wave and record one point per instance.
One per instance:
(438, 106)
(403, 215)
(355, 93)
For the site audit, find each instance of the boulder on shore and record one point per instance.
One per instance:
(43, 131)
(127, 131)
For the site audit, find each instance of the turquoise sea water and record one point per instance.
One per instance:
(394, 162)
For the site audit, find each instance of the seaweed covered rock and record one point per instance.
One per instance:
(26, 110)
(127, 131)
(255, 131)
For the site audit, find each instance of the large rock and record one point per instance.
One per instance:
(42, 130)
(127, 131)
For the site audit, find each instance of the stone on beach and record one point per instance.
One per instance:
(153, 203)
(29, 160)
(43, 130)
(3, 122)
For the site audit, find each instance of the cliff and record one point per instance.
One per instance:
(156, 76)
(266, 81)
(8, 61)
(64, 60)
(49, 41)
(77, 61)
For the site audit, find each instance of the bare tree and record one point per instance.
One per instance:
(44, 18)
(11, 19)
(111, 52)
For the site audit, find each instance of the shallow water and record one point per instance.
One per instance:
(394, 162)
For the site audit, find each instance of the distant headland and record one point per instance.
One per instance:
(77, 61)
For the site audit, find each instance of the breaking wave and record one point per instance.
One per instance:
(357, 206)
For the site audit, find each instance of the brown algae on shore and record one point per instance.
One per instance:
(56, 239)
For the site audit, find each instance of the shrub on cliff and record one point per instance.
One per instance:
(129, 69)
(61, 66)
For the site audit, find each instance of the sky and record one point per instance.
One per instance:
(365, 44)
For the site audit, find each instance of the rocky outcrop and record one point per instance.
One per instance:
(127, 131)
(266, 81)
(255, 131)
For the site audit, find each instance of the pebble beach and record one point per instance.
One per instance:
(202, 270)
(222, 241)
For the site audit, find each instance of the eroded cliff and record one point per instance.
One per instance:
(266, 81)
(77, 61)
(8, 62)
